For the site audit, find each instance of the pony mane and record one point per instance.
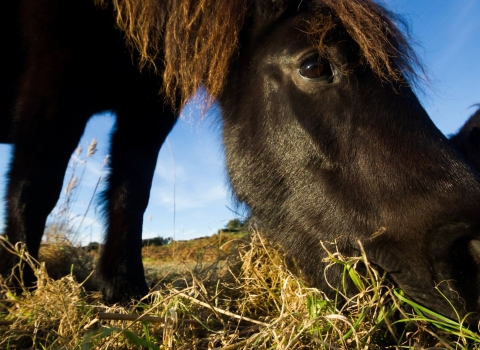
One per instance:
(190, 42)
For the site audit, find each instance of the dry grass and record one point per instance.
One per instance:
(251, 302)
(63, 257)
(203, 249)
(203, 255)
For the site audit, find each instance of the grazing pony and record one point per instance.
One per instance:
(325, 139)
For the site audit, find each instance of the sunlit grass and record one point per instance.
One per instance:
(250, 301)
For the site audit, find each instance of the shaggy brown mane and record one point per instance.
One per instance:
(190, 42)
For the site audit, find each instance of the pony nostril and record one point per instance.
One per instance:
(474, 247)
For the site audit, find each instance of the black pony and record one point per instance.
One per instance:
(325, 140)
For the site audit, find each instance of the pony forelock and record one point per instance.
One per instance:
(382, 36)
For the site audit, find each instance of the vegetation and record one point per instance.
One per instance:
(245, 299)
(235, 225)
(156, 241)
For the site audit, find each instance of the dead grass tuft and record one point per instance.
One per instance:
(61, 256)
(252, 302)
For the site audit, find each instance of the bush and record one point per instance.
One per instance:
(157, 241)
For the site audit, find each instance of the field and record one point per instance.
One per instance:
(228, 291)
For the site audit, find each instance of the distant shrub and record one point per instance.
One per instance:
(92, 246)
(156, 241)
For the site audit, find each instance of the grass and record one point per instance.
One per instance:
(245, 299)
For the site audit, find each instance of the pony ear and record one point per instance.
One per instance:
(474, 136)
(467, 141)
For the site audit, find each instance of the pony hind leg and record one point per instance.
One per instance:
(136, 141)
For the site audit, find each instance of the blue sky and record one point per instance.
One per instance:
(191, 164)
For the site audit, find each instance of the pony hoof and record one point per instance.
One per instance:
(121, 290)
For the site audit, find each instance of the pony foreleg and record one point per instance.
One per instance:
(44, 143)
(136, 142)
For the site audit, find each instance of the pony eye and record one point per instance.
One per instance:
(315, 67)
